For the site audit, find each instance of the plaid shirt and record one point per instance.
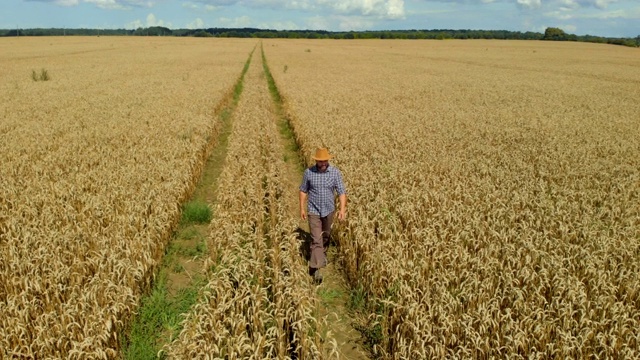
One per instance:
(320, 189)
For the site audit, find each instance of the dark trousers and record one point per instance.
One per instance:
(320, 228)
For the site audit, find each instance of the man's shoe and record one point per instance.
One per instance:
(317, 277)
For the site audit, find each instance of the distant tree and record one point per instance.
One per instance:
(553, 33)
(387, 35)
(268, 34)
(348, 35)
(153, 31)
(593, 39)
(443, 35)
(312, 35)
(159, 31)
(202, 33)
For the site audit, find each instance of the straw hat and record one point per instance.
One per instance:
(322, 154)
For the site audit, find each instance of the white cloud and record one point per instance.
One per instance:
(388, 9)
(529, 24)
(238, 22)
(395, 9)
(196, 7)
(67, 2)
(134, 24)
(601, 4)
(104, 4)
(107, 4)
(525, 4)
(279, 25)
(317, 23)
(220, 2)
(196, 24)
(577, 4)
(348, 23)
(529, 4)
(631, 14)
(120, 4)
(191, 6)
(153, 21)
(568, 4)
(560, 15)
(150, 21)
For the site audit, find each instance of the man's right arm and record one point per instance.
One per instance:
(303, 205)
(304, 188)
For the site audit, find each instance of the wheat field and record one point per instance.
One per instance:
(95, 165)
(494, 190)
(494, 194)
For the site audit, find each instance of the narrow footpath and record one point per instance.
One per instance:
(333, 294)
(181, 272)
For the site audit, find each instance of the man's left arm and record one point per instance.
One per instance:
(342, 214)
(342, 196)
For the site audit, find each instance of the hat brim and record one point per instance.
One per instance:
(322, 158)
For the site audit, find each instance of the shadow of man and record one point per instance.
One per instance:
(304, 238)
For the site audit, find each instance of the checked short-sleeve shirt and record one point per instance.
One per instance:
(320, 187)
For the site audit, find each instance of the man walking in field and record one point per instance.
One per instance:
(319, 185)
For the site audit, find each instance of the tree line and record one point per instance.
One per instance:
(551, 33)
(557, 34)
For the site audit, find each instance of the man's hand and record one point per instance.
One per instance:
(303, 214)
(342, 214)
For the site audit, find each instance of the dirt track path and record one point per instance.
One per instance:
(333, 294)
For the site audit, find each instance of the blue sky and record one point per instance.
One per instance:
(613, 18)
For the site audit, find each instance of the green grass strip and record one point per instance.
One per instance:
(196, 211)
(292, 150)
(159, 314)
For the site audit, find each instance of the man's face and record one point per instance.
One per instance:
(322, 165)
